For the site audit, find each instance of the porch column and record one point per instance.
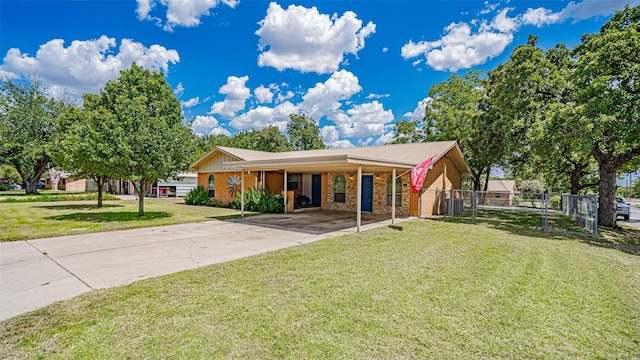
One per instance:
(393, 196)
(242, 193)
(285, 192)
(359, 199)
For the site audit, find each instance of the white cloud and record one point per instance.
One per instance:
(179, 90)
(303, 39)
(208, 125)
(263, 116)
(236, 93)
(185, 13)
(362, 120)
(144, 8)
(378, 96)
(325, 97)
(540, 17)
(385, 138)
(331, 138)
(460, 48)
(419, 112)
(411, 49)
(263, 94)
(385, 49)
(85, 65)
(465, 45)
(590, 8)
(191, 102)
(417, 62)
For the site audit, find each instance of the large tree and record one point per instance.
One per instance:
(152, 140)
(304, 133)
(532, 96)
(27, 126)
(456, 112)
(607, 80)
(87, 145)
(407, 131)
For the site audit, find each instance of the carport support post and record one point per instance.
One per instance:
(393, 197)
(242, 193)
(285, 192)
(359, 199)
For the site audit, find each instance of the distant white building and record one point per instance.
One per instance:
(175, 187)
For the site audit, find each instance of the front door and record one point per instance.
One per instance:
(367, 193)
(316, 189)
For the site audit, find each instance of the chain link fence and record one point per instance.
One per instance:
(571, 214)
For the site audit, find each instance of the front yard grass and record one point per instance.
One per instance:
(31, 220)
(435, 290)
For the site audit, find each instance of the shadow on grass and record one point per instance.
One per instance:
(77, 206)
(623, 239)
(112, 216)
(530, 224)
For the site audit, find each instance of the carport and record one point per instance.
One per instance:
(314, 221)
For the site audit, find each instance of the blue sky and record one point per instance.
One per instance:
(355, 66)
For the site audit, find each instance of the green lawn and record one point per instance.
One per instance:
(32, 220)
(435, 290)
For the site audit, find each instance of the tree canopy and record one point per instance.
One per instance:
(28, 117)
(304, 133)
(607, 80)
(152, 142)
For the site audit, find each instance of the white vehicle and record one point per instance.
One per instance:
(623, 209)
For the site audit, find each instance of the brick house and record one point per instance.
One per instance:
(501, 192)
(332, 178)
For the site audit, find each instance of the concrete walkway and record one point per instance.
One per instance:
(36, 273)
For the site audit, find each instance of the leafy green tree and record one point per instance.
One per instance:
(456, 112)
(8, 174)
(607, 80)
(272, 140)
(304, 133)
(152, 141)
(406, 132)
(27, 126)
(532, 96)
(88, 143)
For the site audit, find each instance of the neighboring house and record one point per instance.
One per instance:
(176, 187)
(333, 178)
(501, 192)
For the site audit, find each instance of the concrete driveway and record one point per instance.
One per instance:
(36, 273)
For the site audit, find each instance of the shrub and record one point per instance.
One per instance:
(5, 187)
(197, 196)
(259, 201)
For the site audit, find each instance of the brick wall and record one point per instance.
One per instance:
(222, 181)
(379, 193)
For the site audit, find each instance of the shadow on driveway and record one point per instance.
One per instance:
(312, 221)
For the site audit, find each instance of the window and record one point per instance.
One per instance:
(340, 189)
(293, 181)
(212, 186)
(497, 195)
(398, 191)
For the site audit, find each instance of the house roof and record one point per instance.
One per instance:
(501, 185)
(397, 155)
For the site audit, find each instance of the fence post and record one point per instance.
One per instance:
(595, 223)
(473, 205)
(545, 219)
(451, 205)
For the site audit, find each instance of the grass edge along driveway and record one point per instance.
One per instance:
(33, 220)
(433, 290)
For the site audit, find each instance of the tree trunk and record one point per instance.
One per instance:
(607, 201)
(140, 191)
(100, 181)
